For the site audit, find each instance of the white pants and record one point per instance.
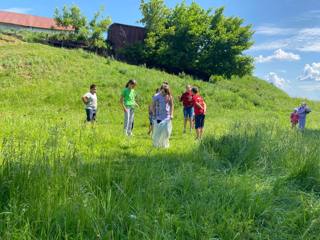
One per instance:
(161, 133)
(128, 121)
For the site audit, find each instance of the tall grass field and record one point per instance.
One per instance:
(251, 177)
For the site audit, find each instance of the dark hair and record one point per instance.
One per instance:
(195, 90)
(131, 81)
(92, 86)
(157, 90)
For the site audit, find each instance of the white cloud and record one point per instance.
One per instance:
(311, 72)
(304, 40)
(283, 43)
(277, 81)
(315, 47)
(278, 55)
(17, 10)
(271, 31)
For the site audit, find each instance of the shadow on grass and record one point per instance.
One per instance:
(268, 151)
(164, 195)
(157, 196)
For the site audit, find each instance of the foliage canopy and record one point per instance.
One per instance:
(191, 39)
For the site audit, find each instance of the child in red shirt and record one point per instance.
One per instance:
(200, 109)
(186, 99)
(294, 118)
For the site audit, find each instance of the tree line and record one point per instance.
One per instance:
(184, 39)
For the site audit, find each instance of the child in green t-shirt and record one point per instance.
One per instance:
(128, 102)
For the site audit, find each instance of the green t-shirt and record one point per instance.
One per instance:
(128, 97)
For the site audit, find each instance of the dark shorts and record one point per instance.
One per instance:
(188, 112)
(199, 121)
(151, 119)
(91, 114)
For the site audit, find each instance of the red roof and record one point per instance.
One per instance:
(30, 21)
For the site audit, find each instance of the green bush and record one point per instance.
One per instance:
(215, 78)
(134, 53)
(188, 38)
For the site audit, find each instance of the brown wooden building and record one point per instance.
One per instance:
(121, 35)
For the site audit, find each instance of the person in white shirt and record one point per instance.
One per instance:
(91, 101)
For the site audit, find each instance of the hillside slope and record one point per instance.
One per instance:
(252, 177)
(60, 76)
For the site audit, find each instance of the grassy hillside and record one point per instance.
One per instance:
(251, 178)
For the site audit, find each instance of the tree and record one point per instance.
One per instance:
(98, 28)
(92, 33)
(155, 18)
(191, 39)
(225, 42)
(72, 18)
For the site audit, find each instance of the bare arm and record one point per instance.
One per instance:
(122, 104)
(85, 99)
(198, 105)
(136, 104)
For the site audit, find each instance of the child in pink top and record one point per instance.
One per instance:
(294, 118)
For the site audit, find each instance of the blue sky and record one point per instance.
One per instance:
(287, 38)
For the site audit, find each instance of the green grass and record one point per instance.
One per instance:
(252, 177)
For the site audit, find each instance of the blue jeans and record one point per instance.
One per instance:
(91, 114)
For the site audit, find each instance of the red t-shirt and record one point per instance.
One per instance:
(197, 109)
(186, 98)
(294, 117)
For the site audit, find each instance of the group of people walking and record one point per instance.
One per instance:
(161, 110)
(299, 116)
